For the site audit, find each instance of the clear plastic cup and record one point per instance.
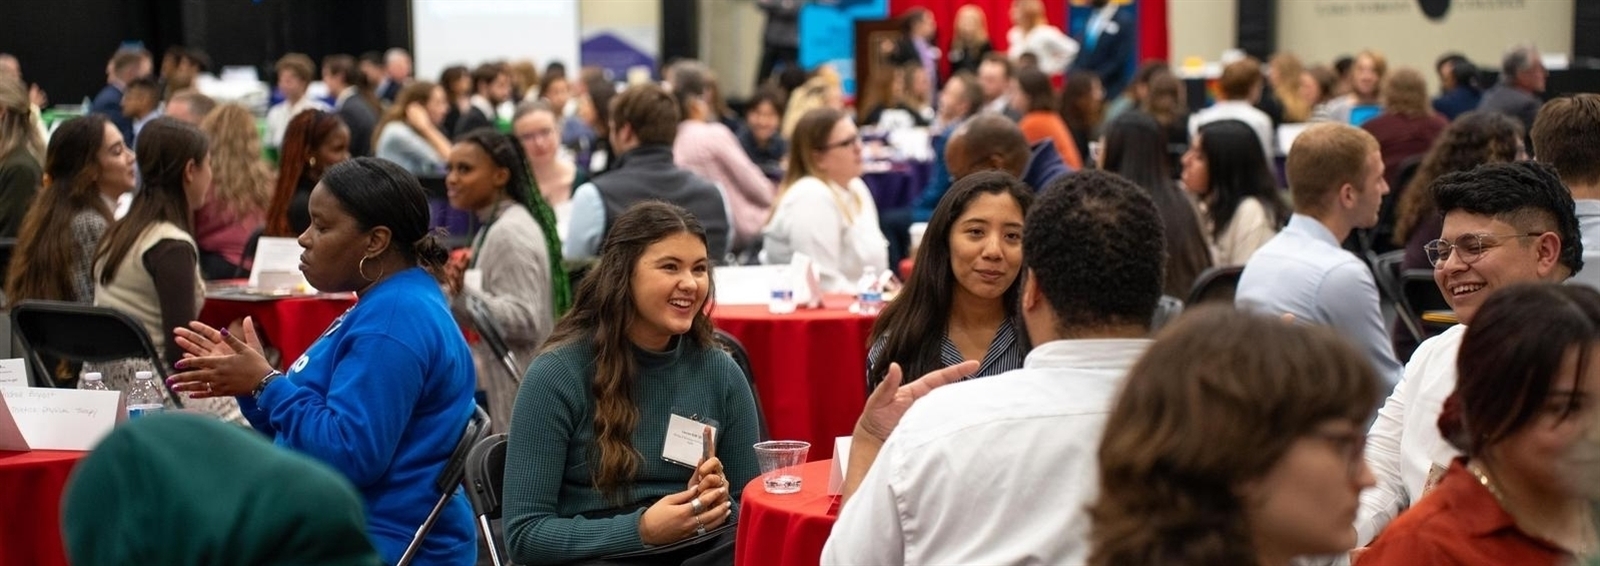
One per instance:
(780, 462)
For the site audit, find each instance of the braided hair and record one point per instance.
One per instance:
(524, 189)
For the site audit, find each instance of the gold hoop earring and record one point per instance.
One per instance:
(312, 162)
(361, 269)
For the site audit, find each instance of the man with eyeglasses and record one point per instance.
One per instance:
(1504, 223)
(1336, 175)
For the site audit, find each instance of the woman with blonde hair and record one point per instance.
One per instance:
(1283, 73)
(241, 192)
(823, 209)
(971, 41)
(1366, 90)
(1237, 439)
(823, 90)
(1030, 33)
(21, 160)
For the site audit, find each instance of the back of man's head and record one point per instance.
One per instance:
(190, 106)
(484, 75)
(126, 63)
(1567, 136)
(648, 110)
(1517, 59)
(1094, 244)
(1524, 194)
(989, 141)
(1240, 79)
(1324, 158)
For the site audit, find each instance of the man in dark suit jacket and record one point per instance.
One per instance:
(491, 86)
(125, 66)
(354, 102)
(1108, 46)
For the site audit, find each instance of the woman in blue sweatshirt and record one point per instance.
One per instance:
(384, 394)
(587, 469)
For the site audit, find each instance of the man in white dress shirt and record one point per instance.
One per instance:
(1504, 224)
(1336, 176)
(295, 73)
(1240, 88)
(1000, 470)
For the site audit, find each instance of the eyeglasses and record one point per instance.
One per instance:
(853, 141)
(1471, 246)
(1352, 445)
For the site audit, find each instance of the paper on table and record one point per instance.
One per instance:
(13, 373)
(807, 285)
(745, 284)
(841, 465)
(57, 419)
(277, 266)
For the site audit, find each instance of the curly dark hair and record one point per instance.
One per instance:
(1094, 242)
(1474, 138)
(1524, 194)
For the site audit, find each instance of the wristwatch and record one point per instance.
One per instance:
(262, 386)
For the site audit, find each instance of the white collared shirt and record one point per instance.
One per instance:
(1404, 443)
(280, 114)
(1244, 112)
(992, 471)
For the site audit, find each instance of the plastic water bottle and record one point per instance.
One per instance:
(869, 294)
(782, 301)
(93, 381)
(144, 396)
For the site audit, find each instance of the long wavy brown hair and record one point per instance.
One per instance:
(243, 181)
(47, 253)
(1473, 139)
(305, 133)
(602, 312)
(1213, 405)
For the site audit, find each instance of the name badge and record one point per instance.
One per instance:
(686, 441)
(472, 279)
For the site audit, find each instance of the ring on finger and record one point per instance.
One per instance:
(695, 505)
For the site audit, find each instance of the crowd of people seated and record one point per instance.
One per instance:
(1021, 378)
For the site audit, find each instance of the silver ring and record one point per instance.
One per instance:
(695, 505)
(700, 531)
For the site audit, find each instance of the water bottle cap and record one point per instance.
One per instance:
(92, 376)
(144, 375)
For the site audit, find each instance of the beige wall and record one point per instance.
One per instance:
(1321, 30)
(619, 13)
(730, 43)
(1201, 28)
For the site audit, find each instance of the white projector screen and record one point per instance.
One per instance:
(469, 32)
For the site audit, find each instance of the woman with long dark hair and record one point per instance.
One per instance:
(586, 474)
(1082, 106)
(514, 269)
(1135, 147)
(1239, 199)
(87, 168)
(968, 311)
(1473, 139)
(1237, 439)
(1526, 387)
(1034, 97)
(385, 393)
(314, 142)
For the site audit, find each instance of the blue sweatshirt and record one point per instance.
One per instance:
(383, 396)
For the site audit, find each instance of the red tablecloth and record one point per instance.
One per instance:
(781, 530)
(31, 484)
(810, 368)
(291, 324)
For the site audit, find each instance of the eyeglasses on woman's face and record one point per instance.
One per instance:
(853, 141)
(1470, 246)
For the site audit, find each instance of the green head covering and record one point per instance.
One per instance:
(180, 489)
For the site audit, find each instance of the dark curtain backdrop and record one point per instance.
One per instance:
(64, 44)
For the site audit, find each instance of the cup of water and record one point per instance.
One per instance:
(780, 464)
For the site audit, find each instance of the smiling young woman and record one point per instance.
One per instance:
(382, 396)
(585, 474)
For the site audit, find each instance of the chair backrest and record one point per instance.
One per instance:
(1215, 284)
(486, 474)
(449, 480)
(81, 333)
(1421, 293)
(1386, 270)
(742, 358)
(489, 331)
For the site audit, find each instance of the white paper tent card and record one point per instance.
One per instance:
(13, 373)
(746, 284)
(806, 283)
(277, 266)
(841, 465)
(43, 418)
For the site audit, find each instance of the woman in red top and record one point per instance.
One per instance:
(1526, 388)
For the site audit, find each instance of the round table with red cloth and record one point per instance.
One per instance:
(781, 530)
(31, 484)
(290, 324)
(810, 368)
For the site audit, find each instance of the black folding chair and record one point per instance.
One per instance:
(489, 332)
(1386, 270)
(1215, 284)
(486, 476)
(449, 480)
(734, 348)
(82, 333)
(1422, 294)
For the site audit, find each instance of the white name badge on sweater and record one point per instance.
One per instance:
(472, 279)
(686, 442)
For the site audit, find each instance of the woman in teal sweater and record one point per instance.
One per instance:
(587, 474)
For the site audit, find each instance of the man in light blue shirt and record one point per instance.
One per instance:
(1336, 176)
(1563, 135)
